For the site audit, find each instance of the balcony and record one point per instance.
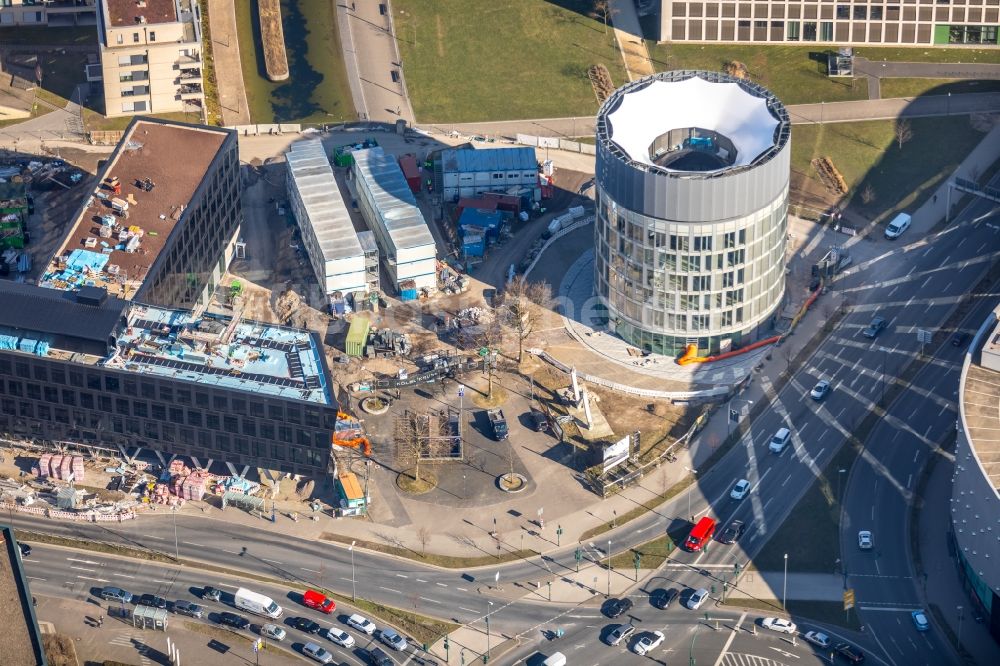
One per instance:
(188, 62)
(189, 75)
(191, 91)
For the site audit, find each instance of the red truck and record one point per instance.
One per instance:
(700, 534)
(319, 601)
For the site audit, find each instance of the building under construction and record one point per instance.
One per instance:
(87, 368)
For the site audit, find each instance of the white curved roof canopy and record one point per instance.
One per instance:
(662, 106)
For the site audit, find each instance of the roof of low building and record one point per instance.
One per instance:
(27, 307)
(137, 12)
(464, 160)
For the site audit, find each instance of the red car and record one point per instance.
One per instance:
(319, 601)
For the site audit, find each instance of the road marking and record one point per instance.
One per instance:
(35, 578)
(729, 641)
(99, 580)
(231, 552)
(440, 584)
(192, 543)
(916, 454)
(421, 580)
(433, 601)
(121, 575)
(877, 570)
(890, 609)
(468, 610)
(309, 570)
(150, 536)
(83, 569)
(399, 575)
(461, 589)
(787, 479)
(74, 559)
(227, 585)
(909, 480)
(272, 561)
(389, 589)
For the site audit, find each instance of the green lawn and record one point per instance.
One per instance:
(39, 35)
(867, 153)
(317, 90)
(507, 59)
(796, 74)
(917, 87)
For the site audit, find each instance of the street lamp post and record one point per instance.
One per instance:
(609, 567)
(885, 356)
(354, 586)
(784, 586)
(177, 554)
(840, 473)
(489, 610)
(961, 615)
(695, 474)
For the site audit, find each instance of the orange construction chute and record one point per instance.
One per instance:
(349, 434)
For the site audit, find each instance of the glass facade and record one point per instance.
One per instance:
(54, 401)
(669, 284)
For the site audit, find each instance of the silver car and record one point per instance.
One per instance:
(316, 653)
(182, 607)
(273, 631)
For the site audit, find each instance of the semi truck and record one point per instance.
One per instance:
(256, 603)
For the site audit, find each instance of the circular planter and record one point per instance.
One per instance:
(374, 405)
(509, 484)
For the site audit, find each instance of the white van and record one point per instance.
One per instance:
(557, 659)
(899, 224)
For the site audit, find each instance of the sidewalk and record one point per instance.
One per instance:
(943, 586)
(628, 33)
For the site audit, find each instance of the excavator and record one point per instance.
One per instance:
(349, 433)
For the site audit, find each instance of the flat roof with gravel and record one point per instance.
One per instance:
(174, 158)
(130, 12)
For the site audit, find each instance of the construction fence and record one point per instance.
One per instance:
(556, 144)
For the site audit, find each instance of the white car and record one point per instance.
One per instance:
(340, 637)
(740, 490)
(779, 624)
(865, 540)
(648, 642)
(818, 638)
(697, 599)
(361, 623)
(273, 631)
(820, 390)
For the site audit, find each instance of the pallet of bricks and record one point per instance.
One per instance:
(60, 467)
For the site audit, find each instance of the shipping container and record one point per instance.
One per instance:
(357, 337)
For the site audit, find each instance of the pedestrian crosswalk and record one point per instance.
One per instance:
(741, 659)
(135, 642)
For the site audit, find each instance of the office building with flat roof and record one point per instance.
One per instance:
(892, 22)
(83, 367)
(407, 247)
(151, 56)
(331, 243)
(162, 223)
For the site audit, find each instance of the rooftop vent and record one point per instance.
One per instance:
(93, 296)
(140, 19)
(140, 3)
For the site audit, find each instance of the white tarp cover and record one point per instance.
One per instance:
(662, 106)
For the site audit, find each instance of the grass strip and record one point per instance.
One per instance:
(434, 559)
(422, 628)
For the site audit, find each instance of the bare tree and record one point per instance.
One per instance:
(868, 194)
(409, 435)
(524, 304)
(423, 536)
(605, 11)
(488, 336)
(903, 131)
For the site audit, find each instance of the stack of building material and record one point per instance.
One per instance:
(43, 465)
(78, 470)
(193, 487)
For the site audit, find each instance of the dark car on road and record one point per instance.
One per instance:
(25, 549)
(306, 625)
(850, 653)
(959, 339)
(182, 607)
(151, 600)
(617, 607)
(211, 594)
(733, 532)
(234, 620)
(378, 657)
(877, 326)
(662, 598)
(539, 421)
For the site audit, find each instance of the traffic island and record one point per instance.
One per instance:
(375, 405)
(512, 483)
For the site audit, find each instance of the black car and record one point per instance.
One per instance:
(539, 421)
(211, 594)
(959, 339)
(306, 625)
(850, 653)
(25, 549)
(151, 600)
(663, 598)
(618, 607)
(733, 532)
(234, 620)
(378, 657)
(874, 328)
